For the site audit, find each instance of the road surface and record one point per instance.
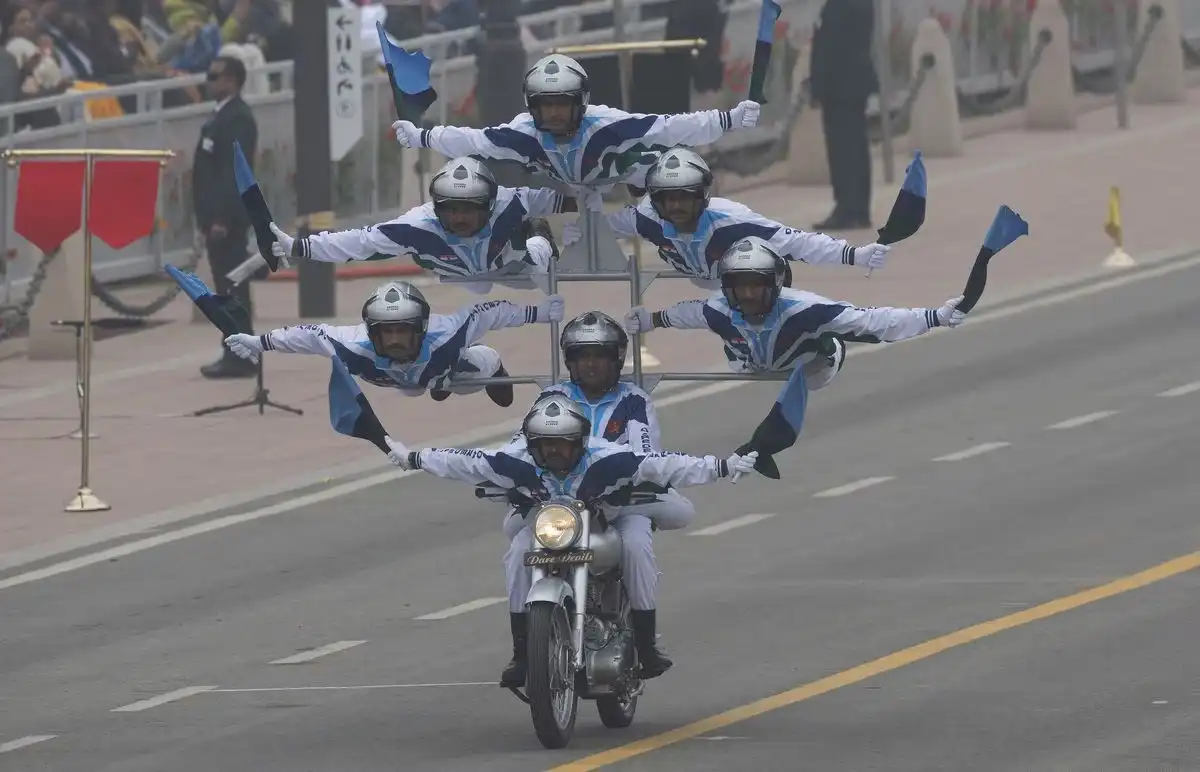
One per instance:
(942, 483)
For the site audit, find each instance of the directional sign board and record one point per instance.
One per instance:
(344, 28)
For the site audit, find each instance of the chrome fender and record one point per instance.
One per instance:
(549, 589)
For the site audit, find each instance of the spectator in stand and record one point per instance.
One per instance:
(39, 72)
(87, 47)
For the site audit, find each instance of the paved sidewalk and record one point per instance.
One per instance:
(151, 455)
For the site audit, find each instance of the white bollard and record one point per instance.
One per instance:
(934, 125)
(1050, 97)
(1160, 76)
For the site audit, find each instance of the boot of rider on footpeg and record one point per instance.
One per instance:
(501, 393)
(651, 660)
(514, 672)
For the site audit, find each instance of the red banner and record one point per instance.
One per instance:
(49, 202)
(124, 201)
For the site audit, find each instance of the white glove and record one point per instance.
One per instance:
(745, 115)
(407, 133)
(572, 232)
(397, 453)
(282, 248)
(871, 256)
(740, 465)
(949, 315)
(638, 320)
(551, 309)
(539, 250)
(245, 346)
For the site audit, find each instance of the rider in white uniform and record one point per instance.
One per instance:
(401, 344)
(558, 455)
(471, 227)
(767, 327)
(588, 147)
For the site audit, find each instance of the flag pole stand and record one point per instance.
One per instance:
(261, 399)
(85, 499)
(1119, 258)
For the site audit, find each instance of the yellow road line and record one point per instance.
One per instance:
(893, 661)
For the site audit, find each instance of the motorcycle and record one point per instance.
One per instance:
(580, 634)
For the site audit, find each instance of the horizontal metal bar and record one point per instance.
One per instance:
(14, 156)
(633, 45)
(513, 380)
(771, 376)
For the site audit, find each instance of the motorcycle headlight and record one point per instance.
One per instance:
(556, 526)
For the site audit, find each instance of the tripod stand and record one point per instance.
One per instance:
(261, 398)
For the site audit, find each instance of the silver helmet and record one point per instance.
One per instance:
(680, 168)
(464, 179)
(595, 328)
(395, 303)
(752, 256)
(557, 76)
(557, 417)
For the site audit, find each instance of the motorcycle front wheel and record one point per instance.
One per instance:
(550, 684)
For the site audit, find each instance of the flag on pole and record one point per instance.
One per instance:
(768, 14)
(1007, 226)
(124, 200)
(49, 205)
(1112, 225)
(256, 206)
(408, 73)
(349, 411)
(908, 212)
(226, 313)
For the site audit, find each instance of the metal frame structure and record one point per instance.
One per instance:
(598, 257)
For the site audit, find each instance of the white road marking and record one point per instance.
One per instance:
(311, 654)
(977, 450)
(25, 742)
(162, 699)
(1051, 298)
(729, 525)
(1080, 420)
(350, 688)
(857, 485)
(1179, 391)
(463, 608)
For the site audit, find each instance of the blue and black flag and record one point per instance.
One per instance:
(1007, 227)
(349, 411)
(225, 312)
(767, 16)
(256, 206)
(408, 72)
(908, 213)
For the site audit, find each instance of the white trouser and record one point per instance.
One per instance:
(822, 369)
(474, 362)
(639, 570)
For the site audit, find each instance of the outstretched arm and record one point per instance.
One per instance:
(881, 324)
(506, 142)
(318, 339)
(679, 470)
(374, 242)
(684, 315)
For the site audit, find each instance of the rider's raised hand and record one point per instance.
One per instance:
(638, 320)
(539, 250)
(738, 465)
(245, 346)
(282, 248)
(745, 115)
(398, 454)
(871, 256)
(949, 315)
(407, 133)
(551, 309)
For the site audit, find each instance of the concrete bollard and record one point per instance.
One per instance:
(1160, 77)
(934, 125)
(808, 162)
(60, 298)
(1050, 97)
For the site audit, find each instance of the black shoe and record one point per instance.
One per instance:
(652, 662)
(502, 393)
(839, 221)
(514, 672)
(439, 395)
(230, 366)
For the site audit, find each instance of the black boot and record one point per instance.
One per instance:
(230, 366)
(439, 395)
(651, 660)
(501, 393)
(514, 673)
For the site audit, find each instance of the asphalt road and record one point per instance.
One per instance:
(903, 549)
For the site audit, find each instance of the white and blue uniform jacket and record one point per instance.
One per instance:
(722, 224)
(419, 234)
(791, 334)
(448, 337)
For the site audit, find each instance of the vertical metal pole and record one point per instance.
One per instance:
(1121, 63)
(625, 73)
(883, 55)
(314, 171)
(85, 500)
(555, 364)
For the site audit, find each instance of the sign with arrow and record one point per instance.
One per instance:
(344, 47)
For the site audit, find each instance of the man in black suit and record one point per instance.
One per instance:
(842, 78)
(215, 198)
